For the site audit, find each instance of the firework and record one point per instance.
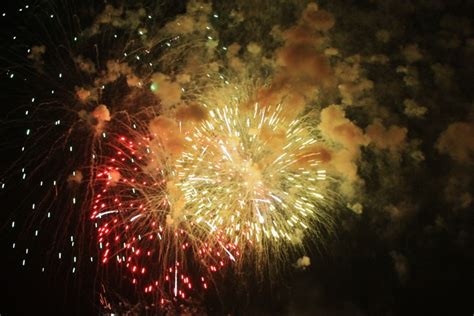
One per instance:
(252, 177)
(174, 163)
(131, 210)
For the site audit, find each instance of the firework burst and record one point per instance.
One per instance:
(131, 210)
(181, 171)
(252, 176)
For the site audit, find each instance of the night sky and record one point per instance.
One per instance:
(338, 135)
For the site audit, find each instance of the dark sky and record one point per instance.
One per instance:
(394, 111)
